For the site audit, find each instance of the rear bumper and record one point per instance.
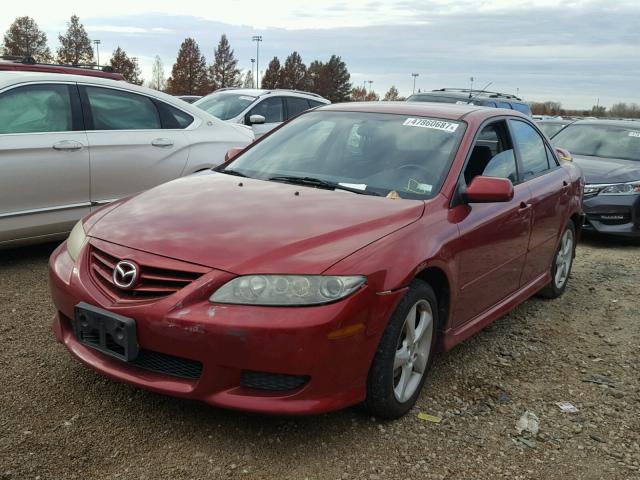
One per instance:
(613, 215)
(230, 341)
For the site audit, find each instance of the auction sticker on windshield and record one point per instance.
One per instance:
(634, 134)
(433, 124)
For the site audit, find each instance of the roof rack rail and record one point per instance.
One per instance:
(296, 91)
(476, 92)
(28, 60)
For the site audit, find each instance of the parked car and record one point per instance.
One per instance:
(552, 126)
(189, 98)
(262, 110)
(325, 264)
(473, 97)
(69, 144)
(608, 152)
(29, 64)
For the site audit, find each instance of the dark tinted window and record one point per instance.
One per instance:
(36, 108)
(270, 108)
(296, 106)
(173, 117)
(504, 105)
(314, 104)
(531, 148)
(521, 107)
(119, 110)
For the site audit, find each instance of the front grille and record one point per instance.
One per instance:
(272, 381)
(611, 218)
(154, 283)
(167, 364)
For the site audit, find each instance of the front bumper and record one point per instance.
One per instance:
(231, 343)
(613, 214)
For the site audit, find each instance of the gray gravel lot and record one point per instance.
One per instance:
(59, 420)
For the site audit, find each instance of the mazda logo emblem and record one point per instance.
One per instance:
(125, 275)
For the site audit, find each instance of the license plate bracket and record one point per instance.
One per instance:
(105, 331)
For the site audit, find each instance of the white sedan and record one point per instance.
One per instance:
(70, 143)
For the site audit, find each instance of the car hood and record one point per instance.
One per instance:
(607, 170)
(244, 225)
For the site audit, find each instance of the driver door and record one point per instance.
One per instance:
(493, 236)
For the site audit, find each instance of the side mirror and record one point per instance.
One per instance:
(256, 120)
(564, 155)
(489, 190)
(231, 154)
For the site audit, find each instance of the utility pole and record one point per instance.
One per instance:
(97, 43)
(257, 39)
(369, 82)
(414, 75)
(253, 80)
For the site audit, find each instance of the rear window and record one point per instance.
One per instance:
(436, 98)
(522, 108)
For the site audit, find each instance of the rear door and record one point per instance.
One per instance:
(272, 109)
(130, 150)
(493, 236)
(44, 160)
(295, 106)
(550, 198)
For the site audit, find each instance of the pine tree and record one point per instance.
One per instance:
(248, 80)
(337, 77)
(391, 95)
(24, 38)
(157, 75)
(127, 66)
(189, 73)
(317, 78)
(272, 75)
(294, 73)
(224, 72)
(75, 46)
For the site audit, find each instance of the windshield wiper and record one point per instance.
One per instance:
(319, 183)
(233, 172)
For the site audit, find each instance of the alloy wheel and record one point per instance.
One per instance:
(564, 257)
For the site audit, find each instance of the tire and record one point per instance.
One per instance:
(562, 263)
(391, 392)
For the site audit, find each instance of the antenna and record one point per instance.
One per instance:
(480, 91)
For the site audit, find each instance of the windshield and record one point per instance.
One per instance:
(550, 129)
(225, 105)
(367, 152)
(608, 141)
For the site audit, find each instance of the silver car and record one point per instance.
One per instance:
(69, 144)
(262, 110)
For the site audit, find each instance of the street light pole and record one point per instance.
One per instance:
(369, 82)
(257, 39)
(97, 43)
(414, 75)
(253, 80)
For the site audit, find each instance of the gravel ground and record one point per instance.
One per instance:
(59, 420)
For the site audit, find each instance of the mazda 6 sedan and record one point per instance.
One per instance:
(325, 264)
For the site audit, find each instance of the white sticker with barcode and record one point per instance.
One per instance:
(634, 134)
(429, 123)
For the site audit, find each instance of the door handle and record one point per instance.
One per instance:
(162, 142)
(67, 145)
(565, 185)
(524, 206)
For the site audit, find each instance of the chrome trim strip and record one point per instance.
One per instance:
(45, 210)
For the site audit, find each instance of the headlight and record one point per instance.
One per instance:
(630, 188)
(76, 240)
(287, 290)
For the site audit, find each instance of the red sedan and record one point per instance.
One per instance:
(324, 265)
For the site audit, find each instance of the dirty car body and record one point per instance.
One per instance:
(271, 284)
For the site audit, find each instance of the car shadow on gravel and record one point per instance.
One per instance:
(30, 253)
(597, 240)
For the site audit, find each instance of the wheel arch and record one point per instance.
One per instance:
(439, 282)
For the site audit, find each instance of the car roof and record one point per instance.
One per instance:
(450, 111)
(469, 96)
(259, 92)
(606, 122)
(557, 121)
(18, 77)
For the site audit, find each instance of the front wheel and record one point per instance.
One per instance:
(404, 355)
(562, 263)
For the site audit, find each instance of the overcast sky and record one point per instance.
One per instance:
(572, 51)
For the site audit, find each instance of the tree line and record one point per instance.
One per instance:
(617, 110)
(190, 74)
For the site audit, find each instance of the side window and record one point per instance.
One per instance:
(172, 117)
(492, 155)
(531, 149)
(504, 105)
(522, 108)
(315, 104)
(295, 106)
(36, 108)
(553, 160)
(118, 110)
(270, 108)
